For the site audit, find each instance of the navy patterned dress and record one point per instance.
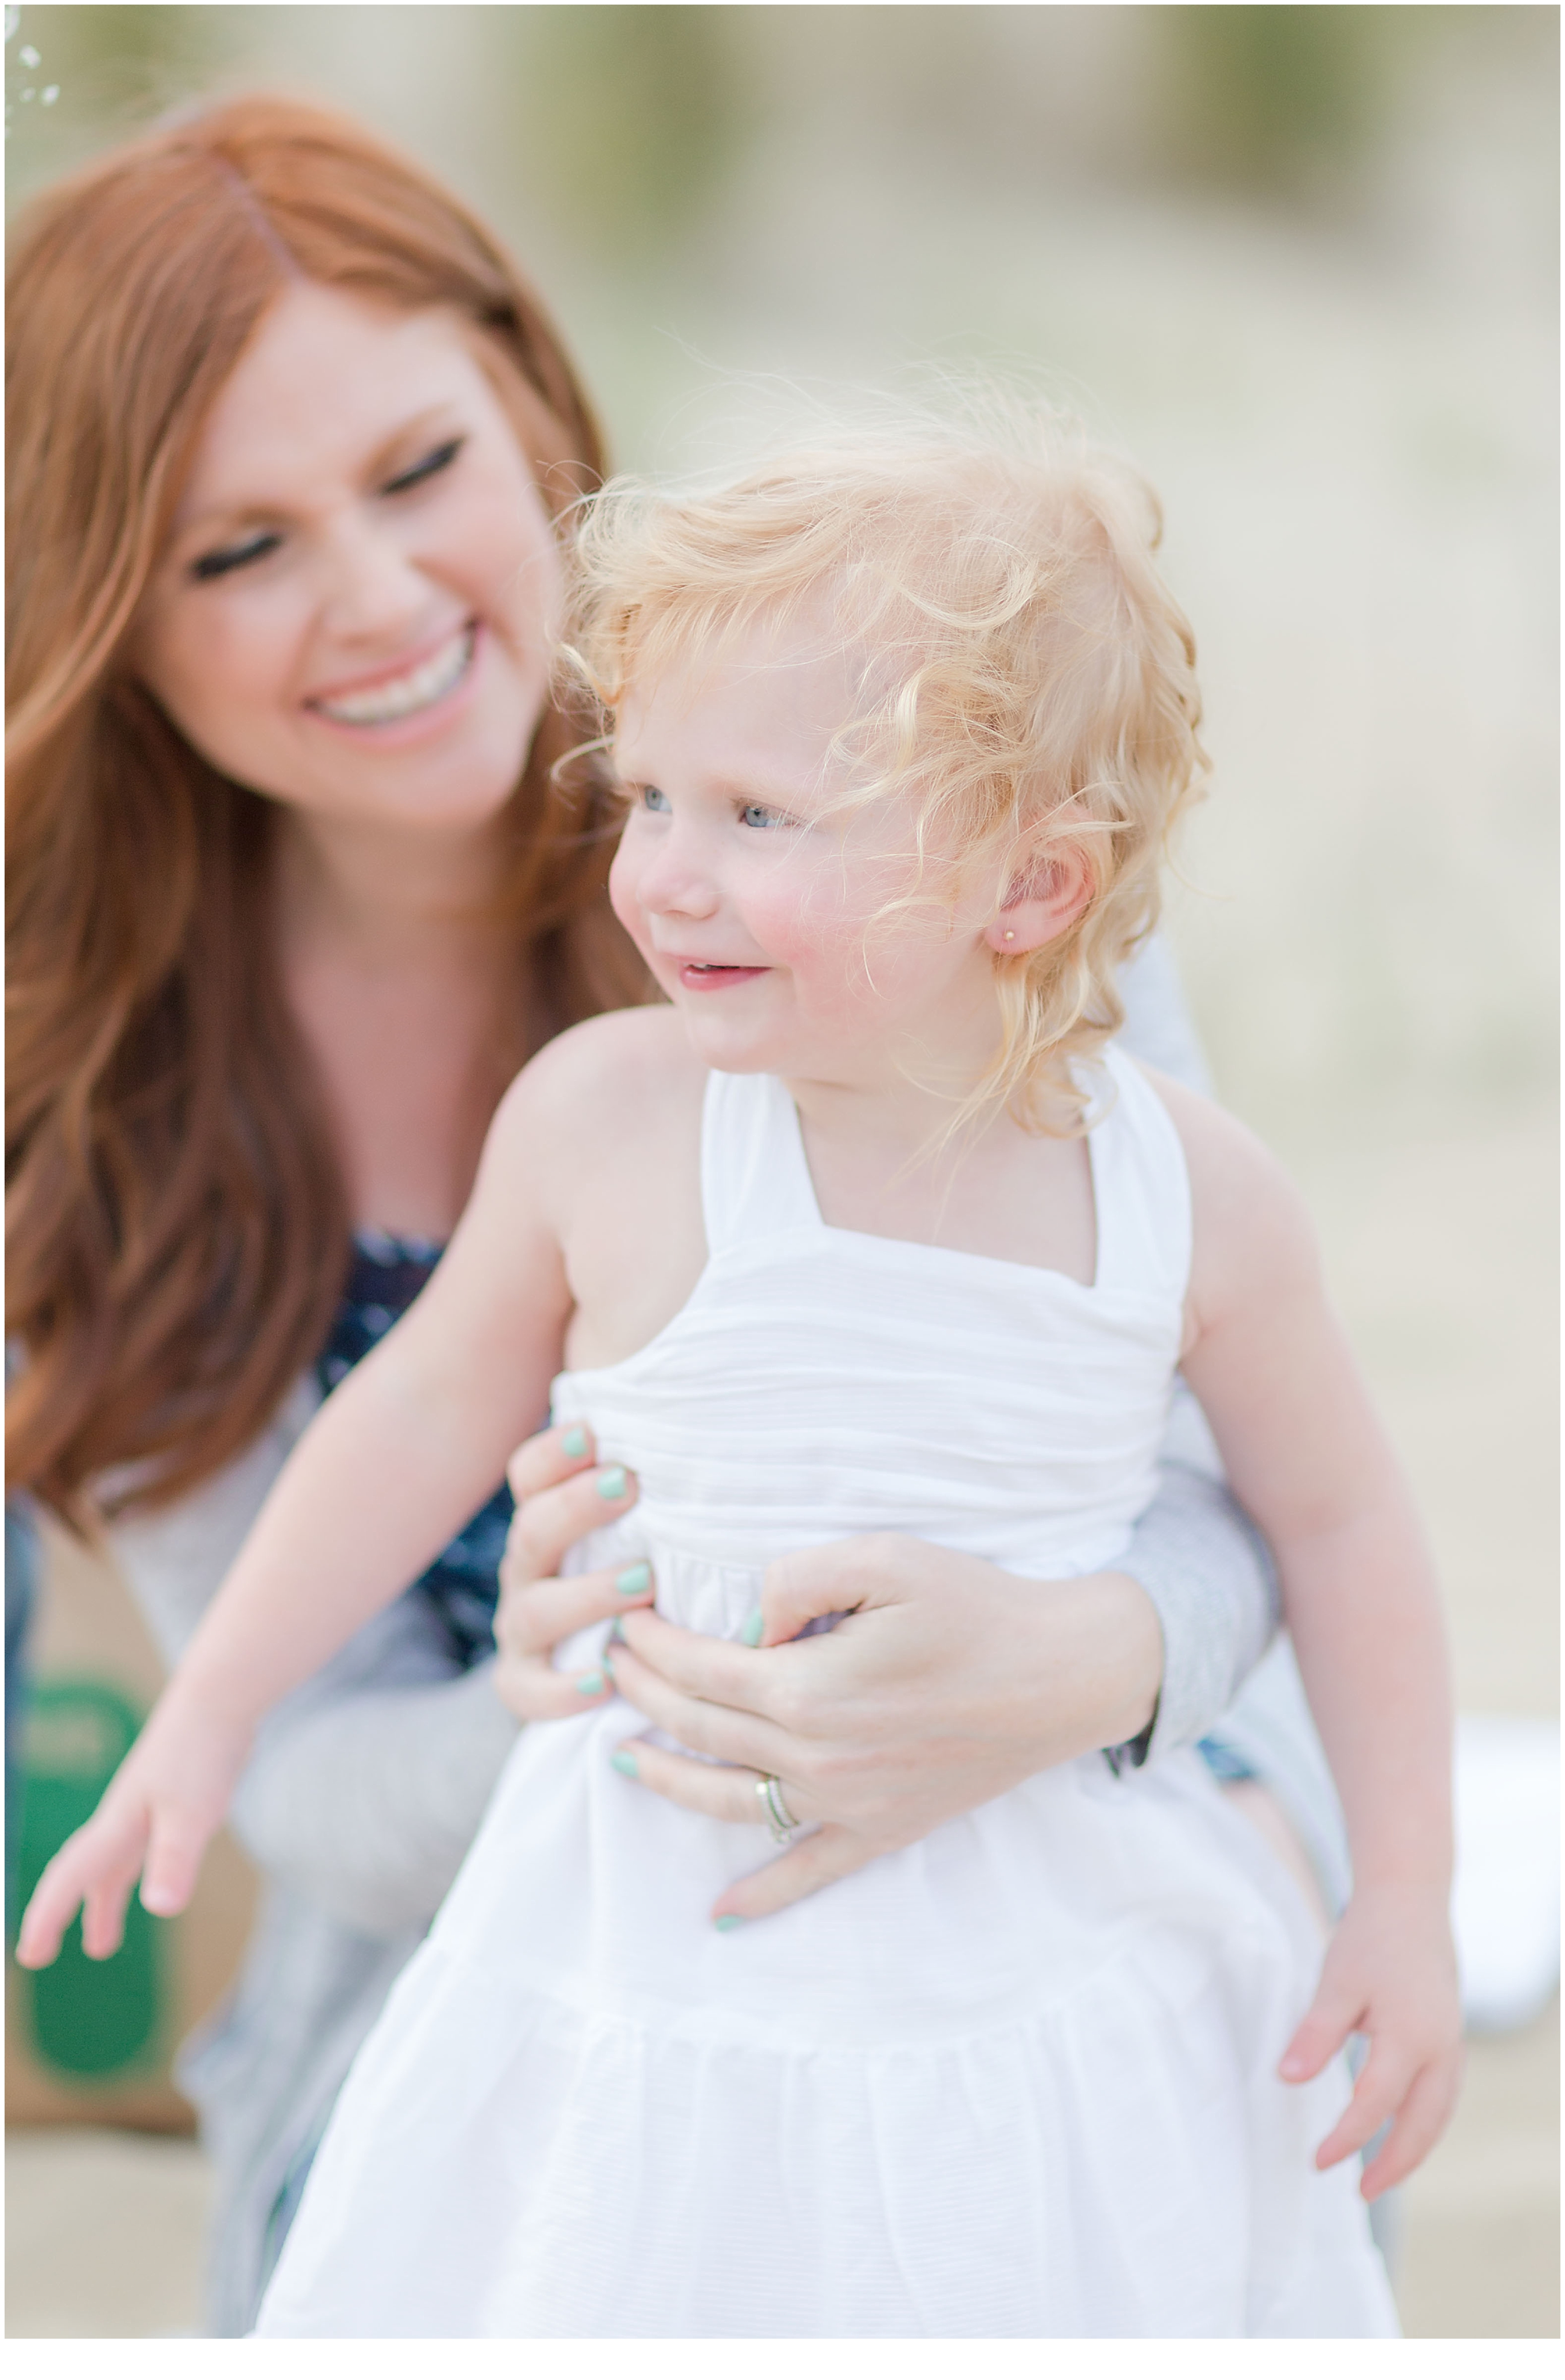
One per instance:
(461, 1584)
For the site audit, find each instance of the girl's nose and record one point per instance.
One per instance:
(673, 882)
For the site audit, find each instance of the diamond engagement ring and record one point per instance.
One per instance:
(781, 1828)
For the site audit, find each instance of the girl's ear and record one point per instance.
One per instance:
(1043, 905)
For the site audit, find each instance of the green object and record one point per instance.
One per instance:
(574, 1442)
(727, 1924)
(624, 1762)
(751, 1631)
(611, 1483)
(636, 1580)
(593, 1684)
(87, 2021)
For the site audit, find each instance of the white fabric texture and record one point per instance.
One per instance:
(1016, 2081)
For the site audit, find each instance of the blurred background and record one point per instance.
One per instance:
(1300, 263)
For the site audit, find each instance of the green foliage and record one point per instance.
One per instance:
(1270, 99)
(628, 118)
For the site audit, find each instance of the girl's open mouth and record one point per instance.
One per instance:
(701, 975)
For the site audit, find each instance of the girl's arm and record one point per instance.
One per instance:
(365, 1788)
(406, 1449)
(1307, 1456)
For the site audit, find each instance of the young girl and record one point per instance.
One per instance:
(871, 1229)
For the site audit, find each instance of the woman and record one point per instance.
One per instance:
(301, 871)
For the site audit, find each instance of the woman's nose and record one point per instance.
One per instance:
(372, 587)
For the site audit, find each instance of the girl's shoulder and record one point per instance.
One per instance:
(642, 1055)
(602, 1090)
(1250, 1228)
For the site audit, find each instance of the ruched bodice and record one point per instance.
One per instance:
(822, 1383)
(1014, 2080)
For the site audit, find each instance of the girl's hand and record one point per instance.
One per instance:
(562, 1495)
(167, 1801)
(1389, 1973)
(948, 1683)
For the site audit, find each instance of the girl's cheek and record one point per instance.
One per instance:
(624, 895)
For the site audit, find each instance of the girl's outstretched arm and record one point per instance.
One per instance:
(405, 1450)
(1308, 1458)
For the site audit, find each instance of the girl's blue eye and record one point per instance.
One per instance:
(757, 814)
(653, 799)
(235, 557)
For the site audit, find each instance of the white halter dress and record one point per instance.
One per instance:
(1016, 2081)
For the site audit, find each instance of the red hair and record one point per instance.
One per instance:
(176, 1221)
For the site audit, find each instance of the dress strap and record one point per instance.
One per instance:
(1140, 1185)
(755, 1183)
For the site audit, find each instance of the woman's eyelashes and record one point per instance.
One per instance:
(439, 458)
(225, 558)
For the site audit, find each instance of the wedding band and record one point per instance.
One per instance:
(781, 1828)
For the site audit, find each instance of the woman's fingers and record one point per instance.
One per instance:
(824, 1858)
(532, 1621)
(537, 1618)
(710, 1668)
(731, 1795)
(726, 1793)
(736, 1737)
(547, 1524)
(534, 1689)
(548, 1457)
(820, 1580)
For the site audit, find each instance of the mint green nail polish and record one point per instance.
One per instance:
(611, 1483)
(750, 1632)
(574, 1442)
(593, 1684)
(636, 1580)
(727, 1924)
(624, 1762)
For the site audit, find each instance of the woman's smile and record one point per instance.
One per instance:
(352, 610)
(407, 694)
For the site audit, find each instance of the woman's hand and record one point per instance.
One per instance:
(948, 1683)
(563, 1493)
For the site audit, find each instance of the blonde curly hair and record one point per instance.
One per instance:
(1026, 678)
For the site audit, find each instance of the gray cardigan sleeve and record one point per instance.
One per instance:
(1200, 1560)
(366, 1787)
